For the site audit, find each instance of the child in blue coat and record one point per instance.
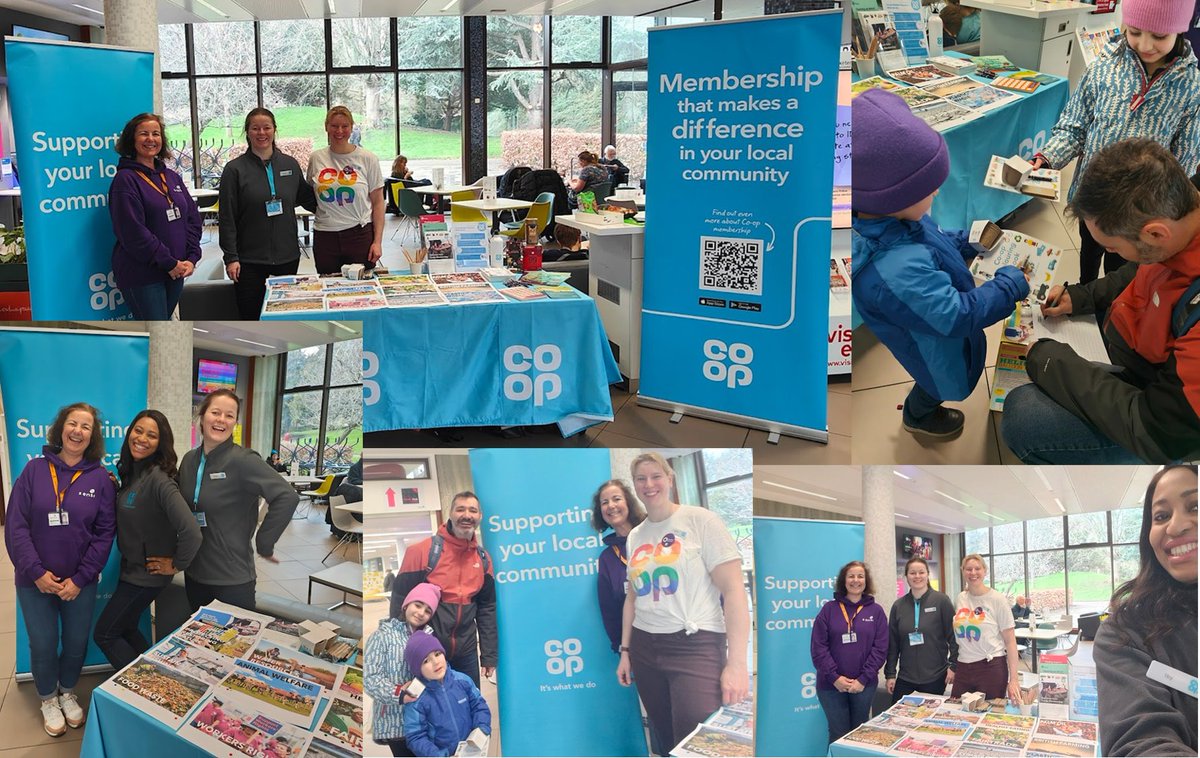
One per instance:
(910, 280)
(449, 709)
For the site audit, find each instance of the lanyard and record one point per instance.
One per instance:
(199, 480)
(916, 613)
(271, 180)
(849, 619)
(59, 496)
(163, 190)
(619, 556)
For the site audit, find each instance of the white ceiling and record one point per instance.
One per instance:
(195, 11)
(236, 337)
(1008, 493)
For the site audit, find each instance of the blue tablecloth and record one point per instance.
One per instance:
(1019, 128)
(502, 364)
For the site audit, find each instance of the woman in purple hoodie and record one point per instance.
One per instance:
(614, 507)
(849, 645)
(155, 220)
(59, 531)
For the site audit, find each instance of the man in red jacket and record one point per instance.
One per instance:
(465, 620)
(1139, 203)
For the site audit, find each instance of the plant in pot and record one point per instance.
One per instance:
(12, 255)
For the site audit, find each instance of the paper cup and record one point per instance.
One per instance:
(418, 268)
(1026, 709)
(865, 67)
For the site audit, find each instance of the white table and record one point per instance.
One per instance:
(491, 207)
(639, 201)
(345, 577)
(428, 189)
(356, 508)
(615, 260)
(1040, 37)
(202, 192)
(1035, 635)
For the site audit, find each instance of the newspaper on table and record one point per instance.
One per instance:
(158, 690)
(708, 740)
(943, 114)
(982, 98)
(228, 725)
(223, 628)
(200, 663)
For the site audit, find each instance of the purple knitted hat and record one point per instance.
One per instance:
(897, 159)
(1158, 16)
(419, 646)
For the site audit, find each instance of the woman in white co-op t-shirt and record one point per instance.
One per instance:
(684, 647)
(987, 641)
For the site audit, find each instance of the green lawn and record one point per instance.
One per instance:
(415, 142)
(1084, 586)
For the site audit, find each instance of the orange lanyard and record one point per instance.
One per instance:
(849, 619)
(60, 496)
(619, 556)
(163, 190)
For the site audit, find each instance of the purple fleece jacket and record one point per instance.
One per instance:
(859, 660)
(78, 550)
(610, 586)
(148, 244)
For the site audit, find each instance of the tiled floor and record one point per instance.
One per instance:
(299, 550)
(880, 383)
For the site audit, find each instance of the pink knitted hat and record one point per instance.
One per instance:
(1158, 16)
(427, 593)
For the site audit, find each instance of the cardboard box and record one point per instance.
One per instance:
(1016, 170)
(985, 235)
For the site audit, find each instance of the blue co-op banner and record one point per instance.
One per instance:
(797, 563)
(558, 686)
(69, 103)
(35, 382)
(741, 145)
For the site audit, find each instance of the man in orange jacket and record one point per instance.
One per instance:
(1139, 203)
(465, 620)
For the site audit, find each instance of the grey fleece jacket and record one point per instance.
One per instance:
(939, 651)
(153, 520)
(1139, 716)
(234, 478)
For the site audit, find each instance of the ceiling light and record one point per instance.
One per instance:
(951, 497)
(1060, 505)
(213, 8)
(339, 324)
(449, 5)
(252, 342)
(1037, 470)
(944, 526)
(198, 329)
(85, 8)
(901, 515)
(992, 517)
(902, 476)
(331, 6)
(796, 489)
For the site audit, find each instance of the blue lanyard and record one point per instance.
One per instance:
(271, 180)
(916, 614)
(199, 480)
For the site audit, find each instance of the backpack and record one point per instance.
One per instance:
(435, 554)
(1186, 312)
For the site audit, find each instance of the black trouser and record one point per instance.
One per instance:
(117, 634)
(466, 661)
(400, 748)
(198, 593)
(1091, 253)
(904, 687)
(251, 286)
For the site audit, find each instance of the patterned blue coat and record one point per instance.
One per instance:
(1099, 112)
(384, 669)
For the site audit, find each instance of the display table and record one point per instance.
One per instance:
(491, 207)
(615, 259)
(1025, 634)
(1040, 37)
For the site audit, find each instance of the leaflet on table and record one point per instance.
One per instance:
(283, 697)
(910, 27)
(197, 662)
(470, 240)
(937, 747)
(307, 282)
(467, 294)
(951, 729)
(1040, 259)
(915, 96)
(984, 751)
(409, 295)
(343, 723)
(351, 686)
(339, 286)
(439, 247)
(355, 302)
(985, 64)
(294, 663)
(229, 725)
(875, 24)
(876, 736)
(951, 86)
(158, 690)
(295, 305)
(320, 748)
(227, 630)
(707, 740)
(982, 98)
(522, 293)
(736, 721)
(918, 74)
(873, 82)
(943, 114)
(1041, 182)
(1034, 76)
(1025, 86)
(951, 65)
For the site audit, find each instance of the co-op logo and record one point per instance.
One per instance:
(1031, 146)
(105, 295)
(530, 373)
(563, 657)
(728, 363)
(370, 368)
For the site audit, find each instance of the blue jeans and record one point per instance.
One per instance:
(1040, 430)
(117, 634)
(845, 711)
(43, 613)
(918, 405)
(153, 302)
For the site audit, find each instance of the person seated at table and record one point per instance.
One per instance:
(1137, 200)
(451, 706)
(1153, 621)
(276, 462)
(591, 174)
(960, 24)
(1021, 609)
(1147, 85)
(618, 172)
(401, 173)
(910, 280)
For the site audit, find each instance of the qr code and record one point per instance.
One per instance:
(731, 264)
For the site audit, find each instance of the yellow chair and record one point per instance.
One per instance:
(322, 492)
(538, 211)
(458, 214)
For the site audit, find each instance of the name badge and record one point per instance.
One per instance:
(287, 172)
(931, 610)
(274, 207)
(59, 519)
(173, 214)
(849, 638)
(915, 638)
(200, 519)
(1164, 674)
(217, 475)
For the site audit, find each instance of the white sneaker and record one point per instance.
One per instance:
(52, 718)
(71, 710)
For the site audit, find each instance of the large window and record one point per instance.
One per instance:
(1063, 563)
(320, 419)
